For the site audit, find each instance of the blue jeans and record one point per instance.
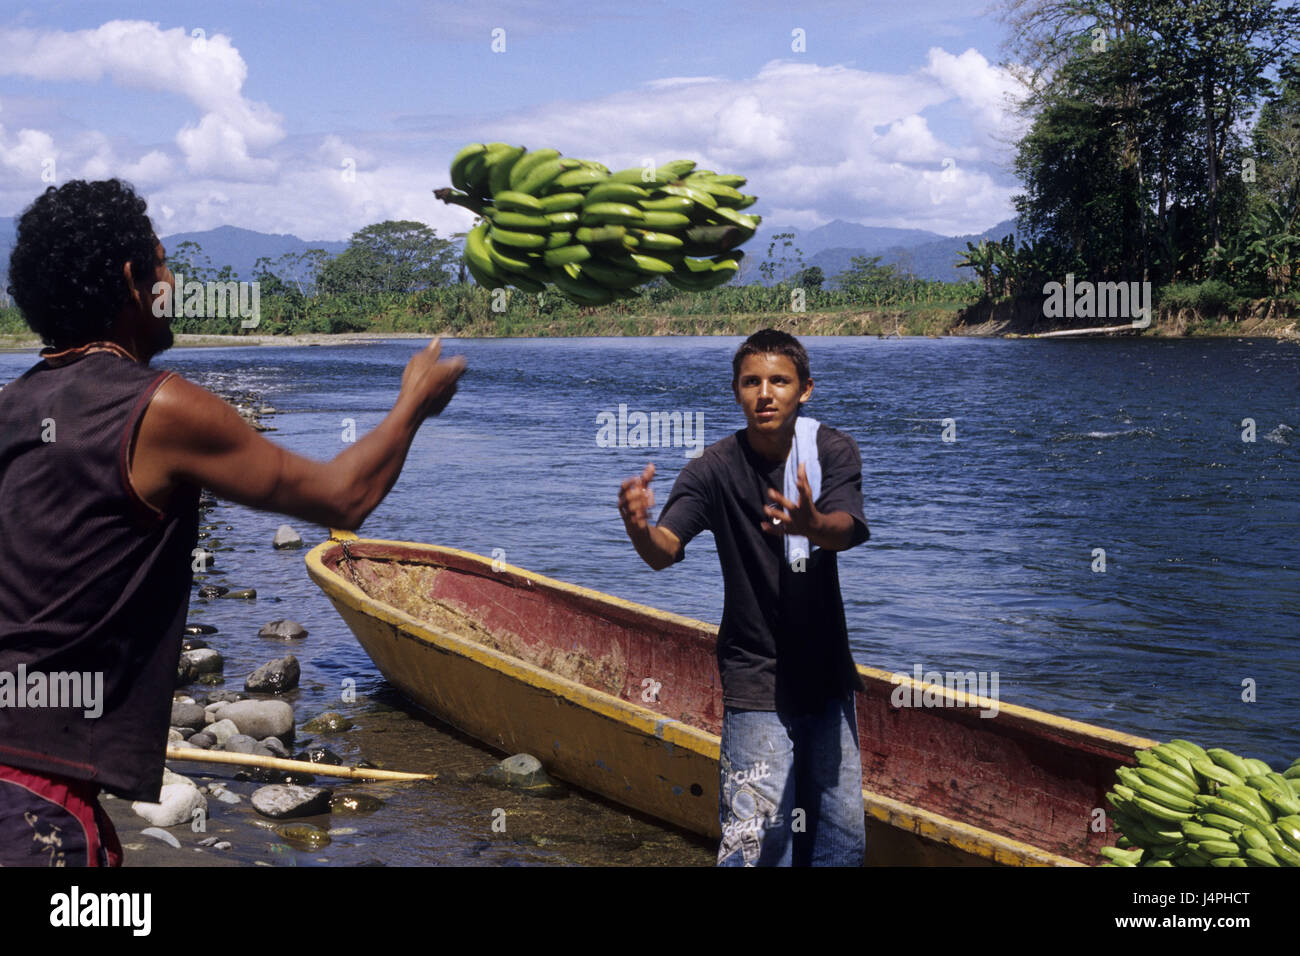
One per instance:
(791, 788)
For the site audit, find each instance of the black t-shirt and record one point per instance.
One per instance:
(783, 644)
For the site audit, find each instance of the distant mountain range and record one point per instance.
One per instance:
(928, 255)
(925, 254)
(241, 248)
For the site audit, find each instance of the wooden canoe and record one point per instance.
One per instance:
(624, 700)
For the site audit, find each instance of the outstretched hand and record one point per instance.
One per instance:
(788, 517)
(431, 381)
(635, 499)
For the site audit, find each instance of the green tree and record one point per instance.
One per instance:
(811, 278)
(866, 276)
(393, 257)
(1133, 157)
(1276, 141)
(188, 259)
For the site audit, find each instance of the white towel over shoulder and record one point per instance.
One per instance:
(803, 451)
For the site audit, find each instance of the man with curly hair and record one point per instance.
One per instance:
(101, 461)
(781, 496)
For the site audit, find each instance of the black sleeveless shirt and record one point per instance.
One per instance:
(94, 582)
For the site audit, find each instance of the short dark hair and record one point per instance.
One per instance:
(772, 342)
(65, 271)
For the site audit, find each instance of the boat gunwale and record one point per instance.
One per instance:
(1016, 715)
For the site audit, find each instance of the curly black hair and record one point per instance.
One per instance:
(65, 272)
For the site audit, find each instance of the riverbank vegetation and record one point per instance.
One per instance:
(1163, 146)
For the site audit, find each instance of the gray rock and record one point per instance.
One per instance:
(243, 593)
(203, 740)
(283, 630)
(276, 748)
(162, 835)
(218, 791)
(174, 736)
(259, 718)
(223, 697)
(176, 804)
(285, 801)
(221, 731)
(240, 744)
(205, 660)
(209, 841)
(188, 715)
(328, 723)
(286, 537)
(522, 772)
(213, 590)
(197, 629)
(192, 644)
(223, 845)
(274, 677)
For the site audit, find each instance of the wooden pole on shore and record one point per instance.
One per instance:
(301, 766)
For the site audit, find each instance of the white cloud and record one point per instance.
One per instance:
(208, 71)
(27, 153)
(153, 167)
(818, 142)
(908, 140)
(989, 90)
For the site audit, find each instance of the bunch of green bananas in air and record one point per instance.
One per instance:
(1185, 806)
(593, 234)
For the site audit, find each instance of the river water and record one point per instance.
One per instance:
(995, 475)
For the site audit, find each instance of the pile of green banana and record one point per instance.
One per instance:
(1185, 806)
(593, 234)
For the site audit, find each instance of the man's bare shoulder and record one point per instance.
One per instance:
(181, 409)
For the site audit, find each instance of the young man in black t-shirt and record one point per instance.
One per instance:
(781, 496)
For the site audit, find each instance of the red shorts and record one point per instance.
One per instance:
(53, 821)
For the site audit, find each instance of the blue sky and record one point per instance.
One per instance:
(317, 119)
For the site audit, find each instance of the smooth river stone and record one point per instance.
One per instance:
(283, 630)
(204, 660)
(188, 715)
(175, 805)
(283, 801)
(328, 723)
(259, 718)
(286, 537)
(274, 677)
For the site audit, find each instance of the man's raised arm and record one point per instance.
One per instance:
(190, 435)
